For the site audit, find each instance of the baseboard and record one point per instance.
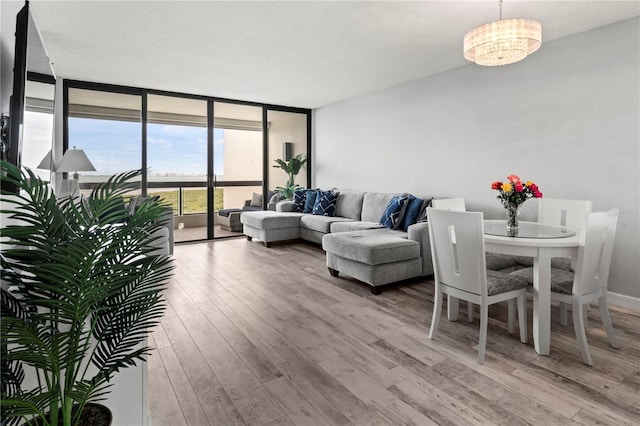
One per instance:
(624, 301)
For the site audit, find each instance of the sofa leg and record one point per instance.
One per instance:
(333, 272)
(249, 238)
(267, 244)
(376, 290)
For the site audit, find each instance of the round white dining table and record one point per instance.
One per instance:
(541, 242)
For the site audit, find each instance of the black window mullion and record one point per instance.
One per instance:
(144, 143)
(210, 171)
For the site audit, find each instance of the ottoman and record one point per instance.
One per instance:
(376, 257)
(230, 220)
(269, 226)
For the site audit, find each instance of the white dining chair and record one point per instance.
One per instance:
(495, 262)
(589, 281)
(571, 214)
(455, 204)
(459, 263)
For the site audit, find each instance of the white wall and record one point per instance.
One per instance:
(566, 117)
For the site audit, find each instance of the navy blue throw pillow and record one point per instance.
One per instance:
(312, 195)
(299, 199)
(394, 212)
(325, 203)
(411, 213)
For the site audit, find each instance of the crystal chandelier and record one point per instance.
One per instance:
(502, 42)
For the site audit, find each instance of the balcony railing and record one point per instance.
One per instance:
(187, 197)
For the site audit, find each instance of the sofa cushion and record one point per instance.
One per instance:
(276, 197)
(256, 200)
(415, 206)
(325, 204)
(374, 205)
(310, 201)
(267, 219)
(394, 212)
(299, 199)
(354, 226)
(349, 204)
(320, 223)
(373, 247)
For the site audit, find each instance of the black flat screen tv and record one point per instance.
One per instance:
(12, 149)
(30, 57)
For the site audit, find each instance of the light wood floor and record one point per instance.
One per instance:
(263, 336)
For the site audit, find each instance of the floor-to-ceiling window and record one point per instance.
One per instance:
(288, 138)
(107, 126)
(37, 138)
(204, 156)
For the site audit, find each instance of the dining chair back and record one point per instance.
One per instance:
(568, 213)
(457, 249)
(594, 258)
(456, 204)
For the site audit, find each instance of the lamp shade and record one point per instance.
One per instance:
(46, 163)
(75, 160)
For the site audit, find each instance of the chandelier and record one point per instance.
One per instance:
(502, 42)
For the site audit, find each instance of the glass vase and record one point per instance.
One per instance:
(513, 211)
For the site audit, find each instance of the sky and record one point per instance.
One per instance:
(172, 150)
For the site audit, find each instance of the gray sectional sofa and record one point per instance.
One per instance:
(355, 242)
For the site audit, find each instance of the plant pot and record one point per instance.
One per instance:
(93, 415)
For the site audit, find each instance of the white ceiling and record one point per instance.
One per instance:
(303, 54)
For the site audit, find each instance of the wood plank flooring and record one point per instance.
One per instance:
(258, 336)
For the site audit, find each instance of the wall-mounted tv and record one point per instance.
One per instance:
(30, 57)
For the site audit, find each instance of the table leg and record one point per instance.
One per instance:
(542, 301)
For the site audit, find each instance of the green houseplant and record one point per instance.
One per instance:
(86, 288)
(291, 168)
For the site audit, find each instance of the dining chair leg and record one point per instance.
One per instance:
(563, 314)
(469, 311)
(484, 319)
(437, 310)
(606, 321)
(578, 324)
(452, 308)
(511, 315)
(522, 317)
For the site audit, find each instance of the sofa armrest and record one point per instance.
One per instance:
(420, 232)
(285, 206)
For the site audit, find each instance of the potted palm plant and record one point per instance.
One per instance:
(292, 168)
(82, 287)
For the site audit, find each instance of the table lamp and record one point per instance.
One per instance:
(75, 160)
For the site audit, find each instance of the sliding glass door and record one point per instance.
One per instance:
(237, 164)
(177, 165)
